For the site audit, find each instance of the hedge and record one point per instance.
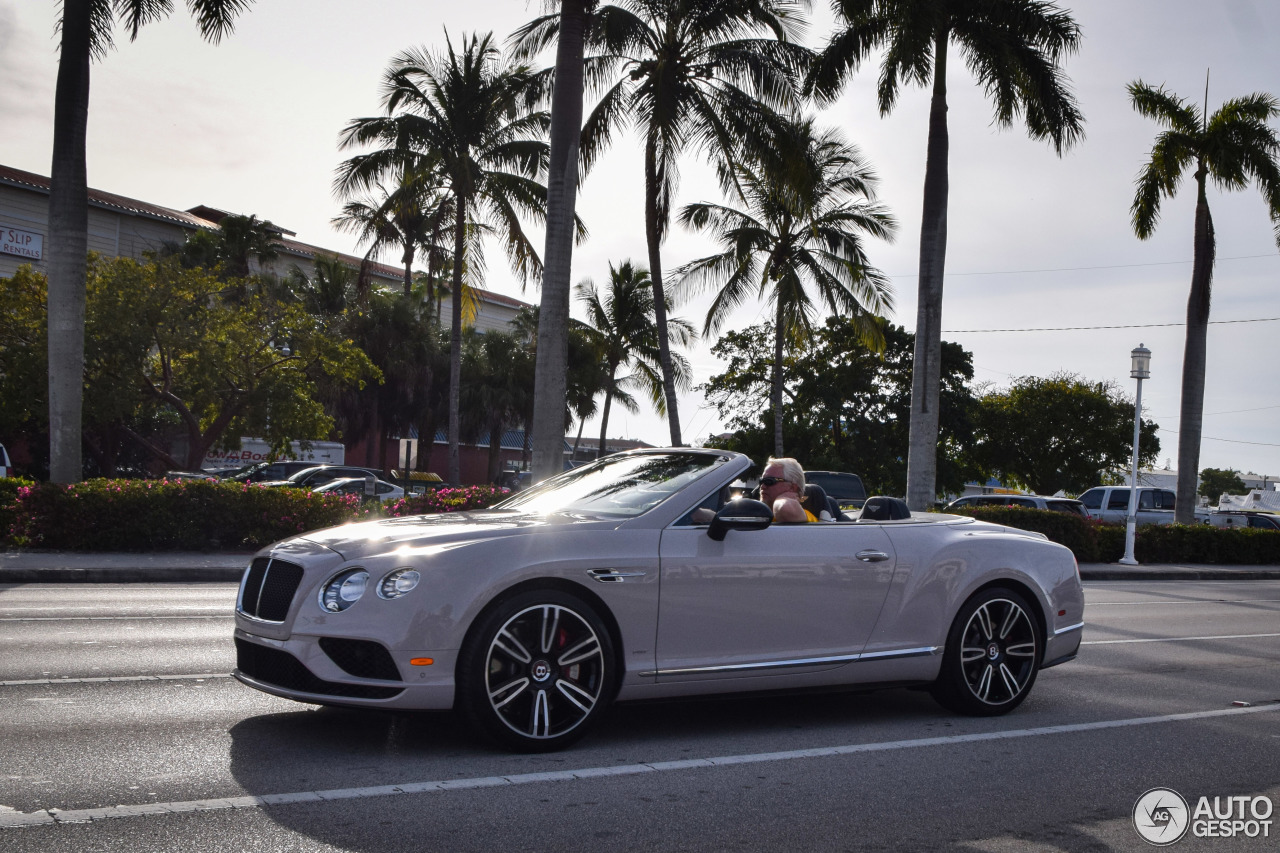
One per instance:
(153, 515)
(1095, 542)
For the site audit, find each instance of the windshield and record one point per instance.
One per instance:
(625, 485)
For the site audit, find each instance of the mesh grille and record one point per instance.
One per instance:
(361, 658)
(269, 588)
(279, 668)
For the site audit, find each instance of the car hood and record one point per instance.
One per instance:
(364, 539)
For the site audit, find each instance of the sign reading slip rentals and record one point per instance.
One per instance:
(24, 244)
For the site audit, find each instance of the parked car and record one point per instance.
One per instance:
(318, 475)
(267, 471)
(383, 491)
(846, 489)
(1155, 506)
(1068, 505)
(6, 467)
(531, 617)
(1245, 518)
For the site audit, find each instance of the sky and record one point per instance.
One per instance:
(1038, 244)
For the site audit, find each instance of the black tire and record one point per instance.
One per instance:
(993, 653)
(537, 672)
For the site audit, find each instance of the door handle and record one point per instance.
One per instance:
(872, 556)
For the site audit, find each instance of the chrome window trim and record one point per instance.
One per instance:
(1068, 629)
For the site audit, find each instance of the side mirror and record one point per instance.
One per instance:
(742, 514)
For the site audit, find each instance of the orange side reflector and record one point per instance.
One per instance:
(422, 661)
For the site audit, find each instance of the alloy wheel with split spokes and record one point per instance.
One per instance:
(992, 655)
(538, 671)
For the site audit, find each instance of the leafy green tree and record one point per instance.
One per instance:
(1060, 432)
(847, 407)
(86, 33)
(1216, 482)
(625, 320)
(689, 74)
(1235, 147)
(1014, 49)
(467, 117)
(797, 245)
(497, 372)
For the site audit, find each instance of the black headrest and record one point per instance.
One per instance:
(815, 499)
(881, 508)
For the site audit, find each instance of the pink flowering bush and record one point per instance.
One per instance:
(457, 499)
(149, 515)
(195, 515)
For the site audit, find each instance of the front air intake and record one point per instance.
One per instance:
(268, 589)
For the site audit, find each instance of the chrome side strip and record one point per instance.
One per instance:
(783, 664)
(613, 575)
(1068, 629)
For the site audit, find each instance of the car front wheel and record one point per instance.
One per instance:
(537, 672)
(992, 655)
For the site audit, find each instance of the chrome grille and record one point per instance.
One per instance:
(268, 589)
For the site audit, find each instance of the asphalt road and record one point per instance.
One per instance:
(117, 717)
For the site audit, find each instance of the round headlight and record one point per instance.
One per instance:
(398, 583)
(344, 590)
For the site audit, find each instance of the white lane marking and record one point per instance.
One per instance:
(103, 618)
(15, 819)
(1174, 603)
(1175, 639)
(100, 679)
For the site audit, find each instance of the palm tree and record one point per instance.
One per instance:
(412, 215)
(87, 27)
(688, 74)
(629, 339)
(806, 208)
(466, 115)
(1235, 147)
(1014, 49)
(550, 392)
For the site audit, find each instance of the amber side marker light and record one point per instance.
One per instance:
(422, 661)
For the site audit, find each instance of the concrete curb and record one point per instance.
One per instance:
(72, 567)
(1098, 572)
(172, 574)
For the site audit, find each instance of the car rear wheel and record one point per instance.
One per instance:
(992, 656)
(537, 672)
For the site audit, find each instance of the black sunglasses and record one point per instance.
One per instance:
(766, 482)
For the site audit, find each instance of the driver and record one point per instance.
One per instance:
(781, 487)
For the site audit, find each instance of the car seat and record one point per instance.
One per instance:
(882, 508)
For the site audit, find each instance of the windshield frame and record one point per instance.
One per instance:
(529, 499)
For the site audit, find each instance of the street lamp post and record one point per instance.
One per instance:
(1140, 370)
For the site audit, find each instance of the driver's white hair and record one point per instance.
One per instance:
(792, 472)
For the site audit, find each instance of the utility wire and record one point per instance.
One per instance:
(1084, 269)
(1227, 440)
(1096, 328)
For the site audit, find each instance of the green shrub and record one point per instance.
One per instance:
(149, 515)
(1071, 530)
(1095, 542)
(9, 487)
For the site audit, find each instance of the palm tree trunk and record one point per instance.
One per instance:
(926, 370)
(582, 422)
(653, 235)
(408, 269)
(455, 340)
(1194, 358)
(604, 419)
(68, 245)
(551, 365)
(775, 391)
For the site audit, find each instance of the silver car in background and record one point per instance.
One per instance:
(635, 577)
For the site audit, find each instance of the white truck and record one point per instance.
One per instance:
(1155, 506)
(255, 450)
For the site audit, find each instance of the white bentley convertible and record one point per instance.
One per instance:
(601, 585)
